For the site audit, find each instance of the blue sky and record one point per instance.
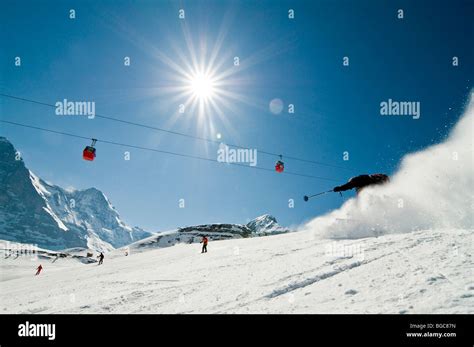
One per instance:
(337, 108)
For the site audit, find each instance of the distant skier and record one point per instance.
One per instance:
(362, 181)
(39, 268)
(101, 258)
(204, 242)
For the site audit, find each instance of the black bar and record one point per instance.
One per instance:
(318, 330)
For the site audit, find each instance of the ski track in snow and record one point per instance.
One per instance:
(420, 272)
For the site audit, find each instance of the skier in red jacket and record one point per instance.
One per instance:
(204, 242)
(39, 268)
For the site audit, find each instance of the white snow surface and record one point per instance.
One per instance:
(421, 272)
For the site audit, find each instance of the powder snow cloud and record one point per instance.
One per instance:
(432, 189)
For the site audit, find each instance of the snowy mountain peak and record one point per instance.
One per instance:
(266, 218)
(266, 225)
(35, 211)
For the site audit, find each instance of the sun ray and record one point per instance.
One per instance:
(197, 71)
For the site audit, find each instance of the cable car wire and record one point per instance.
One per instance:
(119, 120)
(159, 150)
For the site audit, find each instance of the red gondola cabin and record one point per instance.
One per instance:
(279, 166)
(89, 153)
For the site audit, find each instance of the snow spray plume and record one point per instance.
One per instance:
(432, 189)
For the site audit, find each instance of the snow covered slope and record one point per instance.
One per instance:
(17, 258)
(34, 211)
(421, 272)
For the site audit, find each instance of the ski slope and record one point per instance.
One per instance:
(419, 272)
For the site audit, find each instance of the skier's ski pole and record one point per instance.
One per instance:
(306, 197)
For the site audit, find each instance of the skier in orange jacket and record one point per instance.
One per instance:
(204, 242)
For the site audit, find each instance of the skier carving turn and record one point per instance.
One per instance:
(357, 182)
(362, 181)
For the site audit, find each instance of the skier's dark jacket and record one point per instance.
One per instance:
(362, 181)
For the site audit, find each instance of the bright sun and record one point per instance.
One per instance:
(202, 86)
